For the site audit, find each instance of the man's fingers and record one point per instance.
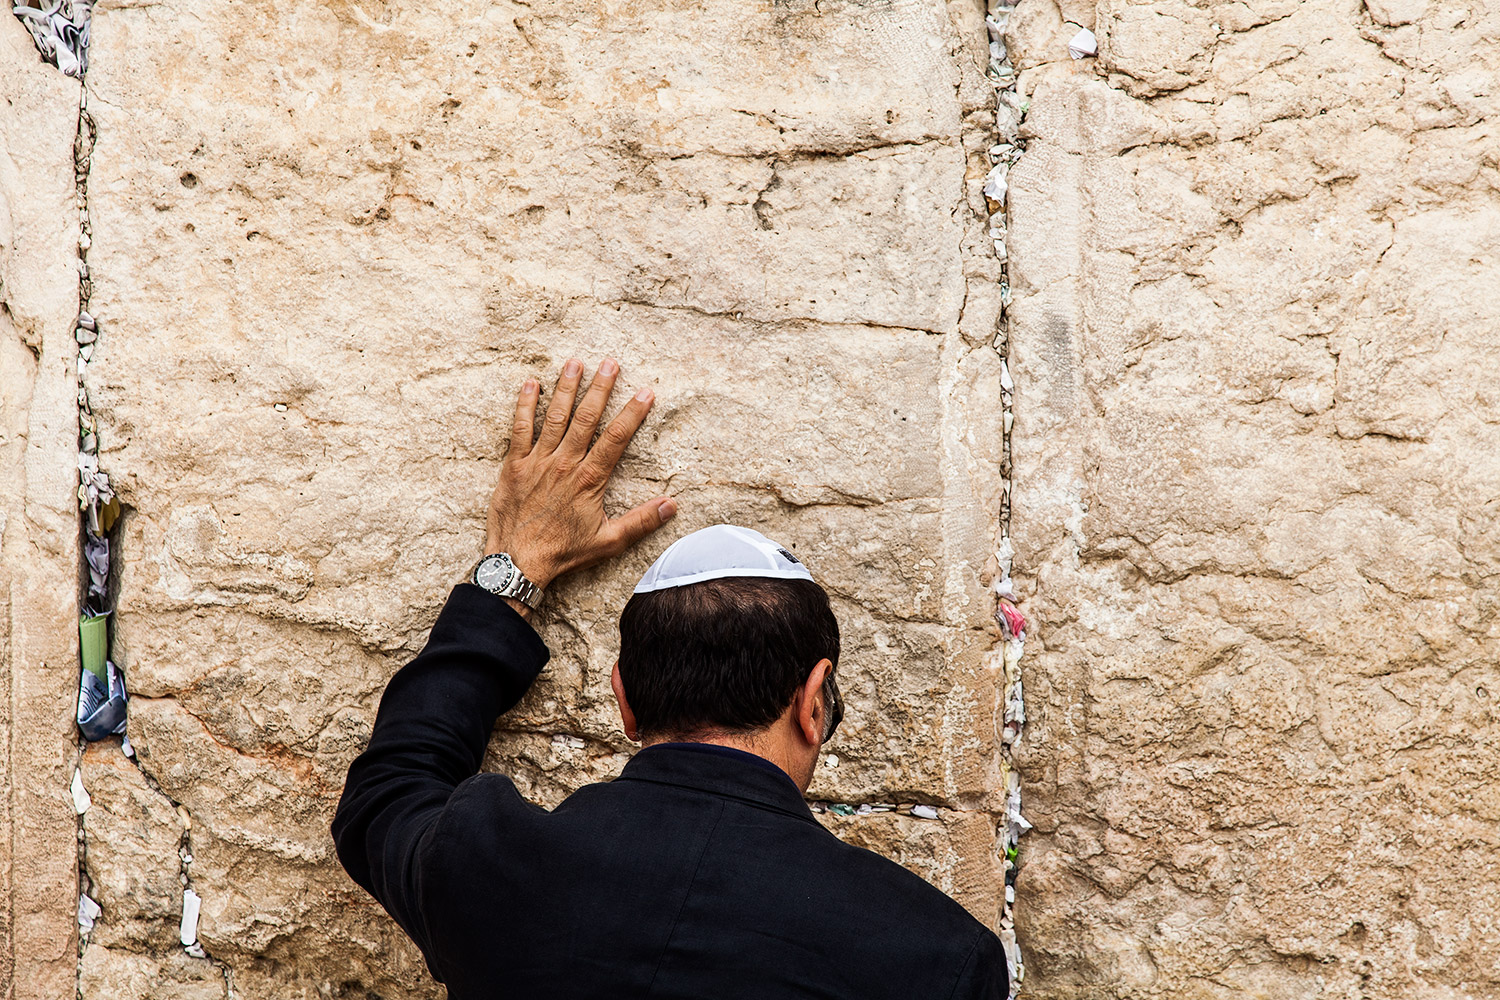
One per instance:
(521, 430)
(638, 522)
(614, 438)
(590, 410)
(560, 408)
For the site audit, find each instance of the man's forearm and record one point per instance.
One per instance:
(430, 734)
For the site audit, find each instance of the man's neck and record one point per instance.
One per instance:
(761, 743)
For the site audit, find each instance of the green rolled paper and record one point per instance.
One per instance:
(93, 637)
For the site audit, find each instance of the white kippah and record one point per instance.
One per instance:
(717, 552)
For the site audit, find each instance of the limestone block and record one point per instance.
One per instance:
(1252, 419)
(332, 245)
(117, 974)
(134, 869)
(262, 858)
(920, 716)
(1035, 34)
(549, 768)
(1156, 47)
(38, 521)
(606, 204)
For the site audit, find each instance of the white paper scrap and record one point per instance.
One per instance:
(924, 812)
(994, 184)
(191, 904)
(88, 912)
(1012, 953)
(61, 32)
(81, 800)
(1083, 45)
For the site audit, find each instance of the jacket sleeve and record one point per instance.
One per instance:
(430, 733)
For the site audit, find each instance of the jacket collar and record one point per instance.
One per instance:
(732, 774)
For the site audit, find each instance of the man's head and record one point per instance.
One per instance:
(728, 639)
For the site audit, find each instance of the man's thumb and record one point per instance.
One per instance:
(638, 522)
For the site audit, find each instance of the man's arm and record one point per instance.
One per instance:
(437, 712)
(434, 721)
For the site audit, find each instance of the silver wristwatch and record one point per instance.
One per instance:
(497, 574)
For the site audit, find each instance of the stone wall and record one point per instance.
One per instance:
(1253, 250)
(330, 241)
(38, 522)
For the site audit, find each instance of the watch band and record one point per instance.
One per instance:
(499, 575)
(524, 591)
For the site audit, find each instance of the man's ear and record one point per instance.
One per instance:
(627, 717)
(810, 708)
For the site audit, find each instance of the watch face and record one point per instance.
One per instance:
(494, 572)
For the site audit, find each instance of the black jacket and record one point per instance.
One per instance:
(696, 873)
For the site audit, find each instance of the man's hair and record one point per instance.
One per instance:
(722, 655)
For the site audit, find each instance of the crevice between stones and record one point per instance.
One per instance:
(87, 333)
(1010, 108)
(82, 149)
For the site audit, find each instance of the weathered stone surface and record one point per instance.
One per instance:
(38, 522)
(1253, 253)
(134, 835)
(117, 974)
(381, 222)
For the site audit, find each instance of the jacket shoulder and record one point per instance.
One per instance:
(900, 883)
(904, 914)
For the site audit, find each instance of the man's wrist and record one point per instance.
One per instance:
(537, 570)
(519, 606)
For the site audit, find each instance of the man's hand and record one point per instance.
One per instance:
(548, 508)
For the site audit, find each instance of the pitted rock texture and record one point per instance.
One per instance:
(134, 856)
(330, 241)
(38, 522)
(117, 972)
(1253, 252)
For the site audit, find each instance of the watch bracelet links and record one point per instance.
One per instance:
(527, 593)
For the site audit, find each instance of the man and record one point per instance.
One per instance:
(699, 872)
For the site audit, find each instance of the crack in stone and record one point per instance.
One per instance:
(739, 315)
(84, 141)
(1010, 111)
